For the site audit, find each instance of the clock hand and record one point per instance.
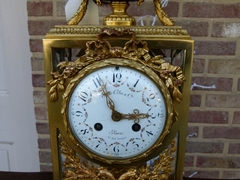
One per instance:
(136, 116)
(117, 116)
(109, 101)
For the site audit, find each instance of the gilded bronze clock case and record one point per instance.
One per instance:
(61, 42)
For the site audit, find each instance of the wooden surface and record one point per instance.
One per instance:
(41, 176)
(26, 176)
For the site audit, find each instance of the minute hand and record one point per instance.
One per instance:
(116, 116)
(136, 116)
(109, 101)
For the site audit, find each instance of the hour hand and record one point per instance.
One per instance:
(136, 116)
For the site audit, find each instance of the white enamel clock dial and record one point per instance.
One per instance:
(117, 112)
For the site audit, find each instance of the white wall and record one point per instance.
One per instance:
(18, 136)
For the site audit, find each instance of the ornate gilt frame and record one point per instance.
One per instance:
(119, 62)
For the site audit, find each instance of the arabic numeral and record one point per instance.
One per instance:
(116, 149)
(78, 113)
(97, 82)
(99, 143)
(136, 83)
(151, 96)
(153, 116)
(84, 96)
(149, 133)
(161, 115)
(84, 131)
(136, 146)
(117, 77)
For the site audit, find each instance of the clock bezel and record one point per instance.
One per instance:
(131, 64)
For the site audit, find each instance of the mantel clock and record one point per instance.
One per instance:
(118, 101)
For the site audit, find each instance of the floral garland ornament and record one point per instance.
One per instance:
(134, 50)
